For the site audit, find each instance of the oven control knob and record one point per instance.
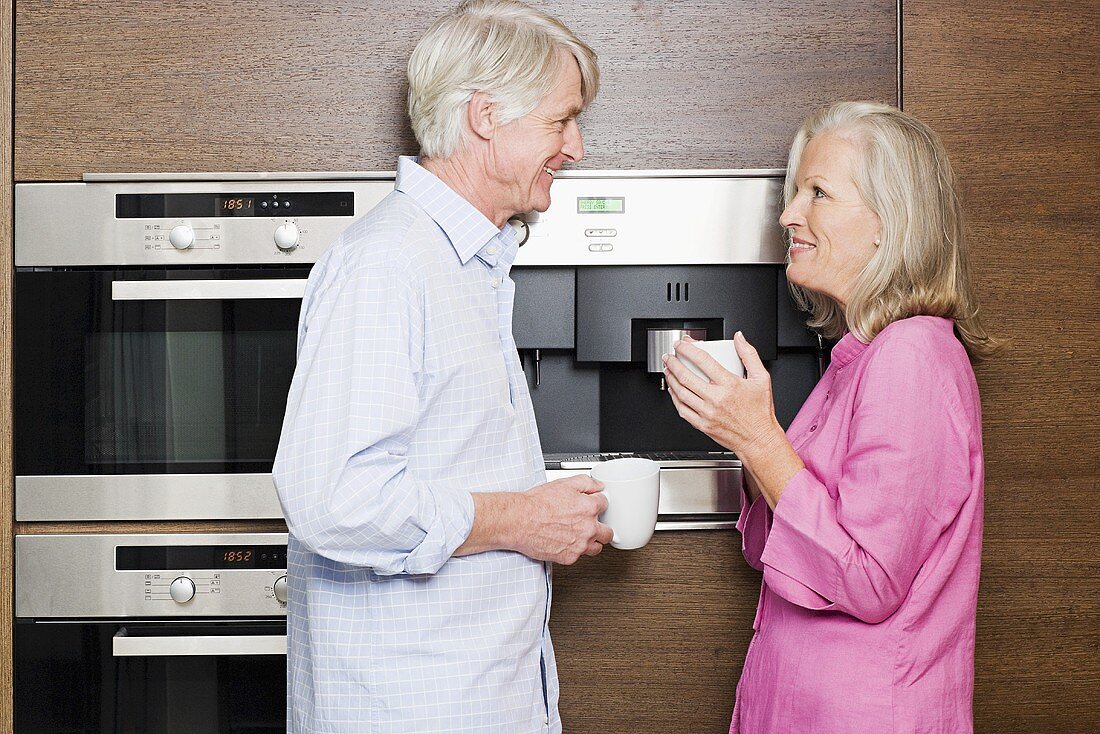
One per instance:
(181, 236)
(280, 589)
(182, 590)
(287, 236)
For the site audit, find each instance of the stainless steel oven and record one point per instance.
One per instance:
(150, 633)
(155, 332)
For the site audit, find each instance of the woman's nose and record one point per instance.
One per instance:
(792, 215)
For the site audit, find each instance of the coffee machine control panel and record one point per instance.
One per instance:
(656, 218)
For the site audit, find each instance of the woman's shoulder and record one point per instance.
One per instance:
(923, 337)
(923, 350)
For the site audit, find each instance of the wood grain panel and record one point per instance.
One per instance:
(142, 526)
(1013, 91)
(7, 471)
(653, 640)
(123, 85)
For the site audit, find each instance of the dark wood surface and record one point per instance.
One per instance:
(1013, 91)
(123, 85)
(652, 640)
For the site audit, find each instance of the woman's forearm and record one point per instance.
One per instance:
(770, 463)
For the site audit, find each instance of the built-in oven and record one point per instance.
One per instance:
(155, 335)
(152, 633)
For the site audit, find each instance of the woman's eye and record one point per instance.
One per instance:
(818, 193)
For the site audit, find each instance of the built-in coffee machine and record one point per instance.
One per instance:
(619, 267)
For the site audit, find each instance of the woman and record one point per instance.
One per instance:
(866, 516)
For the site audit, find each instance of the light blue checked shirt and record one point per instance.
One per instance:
(408, 396)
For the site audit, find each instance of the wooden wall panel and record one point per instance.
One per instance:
(652, 641)
(1013, 91)
(125, 85)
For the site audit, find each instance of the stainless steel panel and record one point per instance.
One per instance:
(89, 233)
(672, 217)
(696, 220)
(730, 524)
(123, 645)
(74, 577)
(146, 497)
(208, 290)
(689, 491)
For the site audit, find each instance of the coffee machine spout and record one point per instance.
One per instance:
(660, 342)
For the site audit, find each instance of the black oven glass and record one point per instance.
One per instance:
(149, 386)
(67, 681)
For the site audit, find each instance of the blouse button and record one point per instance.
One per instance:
(813, 428)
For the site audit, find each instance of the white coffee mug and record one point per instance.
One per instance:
(722, 350)
(632, 487)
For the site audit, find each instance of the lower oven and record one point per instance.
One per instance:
(150, 633)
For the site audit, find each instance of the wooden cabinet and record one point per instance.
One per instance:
(122, 85)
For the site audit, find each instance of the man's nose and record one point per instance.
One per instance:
(574, 142)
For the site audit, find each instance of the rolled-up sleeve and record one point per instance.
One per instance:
(856, 544)
(341, 470)
(753, 523)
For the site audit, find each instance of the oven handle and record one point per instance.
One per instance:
(206, 290)
(123, 645)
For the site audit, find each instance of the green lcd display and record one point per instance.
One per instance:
(601, 204)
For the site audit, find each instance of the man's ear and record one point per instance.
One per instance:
(481, 115)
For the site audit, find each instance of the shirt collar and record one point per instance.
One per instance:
(847, 349)
(468, 230)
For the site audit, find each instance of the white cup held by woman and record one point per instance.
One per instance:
(723, 352)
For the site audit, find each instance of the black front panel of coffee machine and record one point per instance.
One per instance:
(582, 336)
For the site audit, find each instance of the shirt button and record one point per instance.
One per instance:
(495, 282)
(813, 428)
(491, 249)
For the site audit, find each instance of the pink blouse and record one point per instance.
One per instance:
(867, 607)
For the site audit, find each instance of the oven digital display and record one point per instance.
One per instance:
(601, 204)
(198, 557)
(263, 204)
(235, 206)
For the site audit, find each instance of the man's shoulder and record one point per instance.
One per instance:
(395, 232)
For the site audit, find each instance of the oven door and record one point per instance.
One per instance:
(151, 394)
(155, 678)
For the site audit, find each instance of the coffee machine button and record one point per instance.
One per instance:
(523, 230)
(601, 247)
(600, 232)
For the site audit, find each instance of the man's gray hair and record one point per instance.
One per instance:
(504, 48)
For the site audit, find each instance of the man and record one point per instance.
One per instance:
(409, 469)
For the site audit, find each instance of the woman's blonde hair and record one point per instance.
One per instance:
(921, 265)
(504, 48)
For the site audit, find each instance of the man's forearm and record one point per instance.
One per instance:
(495, 522)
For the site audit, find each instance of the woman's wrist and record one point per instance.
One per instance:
(773, 462)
